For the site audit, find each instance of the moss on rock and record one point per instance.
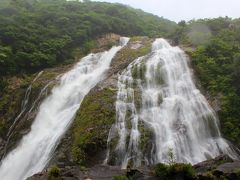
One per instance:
(92, 123)
(128, 53)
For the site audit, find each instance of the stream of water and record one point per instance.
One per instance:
(55, 115)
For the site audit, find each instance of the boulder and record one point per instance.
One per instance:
(229, 170)
(211, 164)
(220, 167)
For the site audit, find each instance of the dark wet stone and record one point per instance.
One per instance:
(228, 168)
(211, 164)
(105, 172)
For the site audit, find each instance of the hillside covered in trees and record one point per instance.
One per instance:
(35, 34)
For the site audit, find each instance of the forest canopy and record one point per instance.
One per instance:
(35, 34)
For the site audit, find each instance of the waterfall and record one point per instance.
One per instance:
(160, 110)
(27, 109)
(55, 115)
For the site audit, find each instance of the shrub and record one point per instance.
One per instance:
(161, 171)
(54, 171)
(222, 177)
(184, 171)
(209, 176)
(120, 178)
(238, 173)
(174, 171)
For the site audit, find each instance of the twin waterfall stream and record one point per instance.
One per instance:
(157, 101)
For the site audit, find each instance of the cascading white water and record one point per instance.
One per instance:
(172, 113)
(55, 115)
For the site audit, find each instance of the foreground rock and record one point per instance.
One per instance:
(98, 172)
(220, 168)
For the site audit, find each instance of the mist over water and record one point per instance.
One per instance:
(172, 114)
(55, 115)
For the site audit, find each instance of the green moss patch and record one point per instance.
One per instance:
(128, 54)
(92, 124)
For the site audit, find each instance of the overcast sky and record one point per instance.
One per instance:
(177, 10)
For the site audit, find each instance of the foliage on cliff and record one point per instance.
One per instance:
(217, 64)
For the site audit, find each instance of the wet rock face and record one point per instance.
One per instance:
(74, 173)
(39, 176)
(230, 170)
(68, 172)
(105, 172)
(211, 164)
(220, 167)
(97, 172)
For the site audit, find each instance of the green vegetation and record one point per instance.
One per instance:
(174, 171)
(146, 137)
(92, 123)
(132, 54)
(53, 172)
(35, 34)
(209, 176)
(138, 71)
(238, 173)
(161, 171)
(120, 178)
(171, 157)
(217, 64)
